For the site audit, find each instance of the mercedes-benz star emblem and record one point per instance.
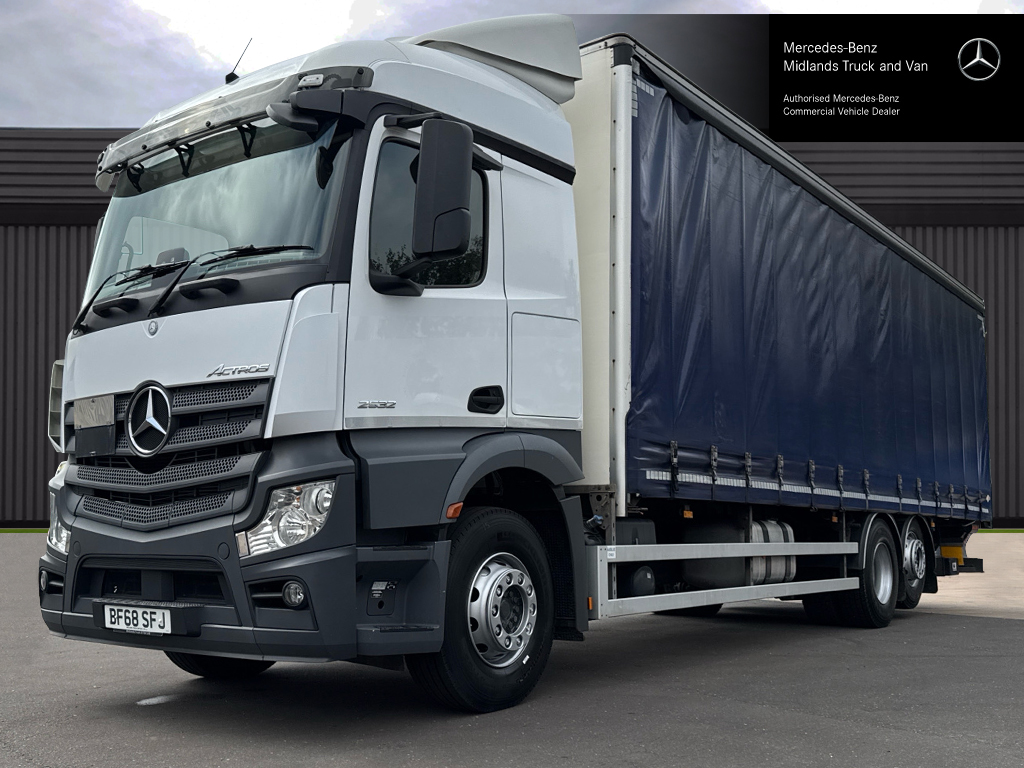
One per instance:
(152, 328)
(148, 420)
(979, 59)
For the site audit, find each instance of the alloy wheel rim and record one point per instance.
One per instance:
(501, 610)
(882, 572)
(914, 558)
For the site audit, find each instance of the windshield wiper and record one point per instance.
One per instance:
(150, 270)
(238, 252)
(130, 276)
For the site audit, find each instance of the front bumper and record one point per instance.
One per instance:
(219, 602)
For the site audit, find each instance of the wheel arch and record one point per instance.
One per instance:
(526, 473)
(873, 519)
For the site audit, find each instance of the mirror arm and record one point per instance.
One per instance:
(412, 121)
(414, 266)
(393, 285)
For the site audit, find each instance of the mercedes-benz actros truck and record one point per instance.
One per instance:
(428, 352)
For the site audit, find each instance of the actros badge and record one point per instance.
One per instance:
(979, 59)
(238, 370)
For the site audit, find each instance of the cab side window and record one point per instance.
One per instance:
(391, 214)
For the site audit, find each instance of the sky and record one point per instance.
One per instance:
(115, 63)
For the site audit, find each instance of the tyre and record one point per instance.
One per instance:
(218, 667)
(499, 615)
(697, 611)
(915, 566)
(873, 603)
(822, 609)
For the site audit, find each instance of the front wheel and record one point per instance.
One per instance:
(499, 615)
(218, 667)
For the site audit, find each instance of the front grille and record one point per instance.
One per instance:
(174, 509)
(207, 433)
(130, 477)
(213, 394)
(204, 470)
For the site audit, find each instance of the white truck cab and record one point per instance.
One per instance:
(330, 299)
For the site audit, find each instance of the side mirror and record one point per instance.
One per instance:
(441, 220)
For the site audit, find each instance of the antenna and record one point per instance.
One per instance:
(230, 77)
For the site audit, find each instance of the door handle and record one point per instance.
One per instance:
(486, 400)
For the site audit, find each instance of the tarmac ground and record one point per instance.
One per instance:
(759, 685)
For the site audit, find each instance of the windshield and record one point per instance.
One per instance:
(261, 184)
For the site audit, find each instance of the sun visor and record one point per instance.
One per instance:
(225, 106)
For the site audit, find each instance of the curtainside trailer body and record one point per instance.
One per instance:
(771, 350)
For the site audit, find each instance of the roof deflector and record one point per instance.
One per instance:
(540, 49)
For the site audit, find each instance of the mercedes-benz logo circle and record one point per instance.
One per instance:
(979, 59)
(147, 421)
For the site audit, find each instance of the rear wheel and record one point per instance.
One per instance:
(873, 603)
(499, 615)
(697, 611)
(218, 667)
(915, 566)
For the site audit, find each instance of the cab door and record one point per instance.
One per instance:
(438, 359)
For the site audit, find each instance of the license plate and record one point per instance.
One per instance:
(137, 619)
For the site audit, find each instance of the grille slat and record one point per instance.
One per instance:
(204, 433)
(201, 435)
(172, 476)
(138, 516)
(202, 471)
(214, 394)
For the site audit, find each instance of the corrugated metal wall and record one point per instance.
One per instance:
(43, 271)
(953, 174)
(48, 211)
(52, 166)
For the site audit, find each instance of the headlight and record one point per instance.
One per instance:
(58, 536)
(294, 514)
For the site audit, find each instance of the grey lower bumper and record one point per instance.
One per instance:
(343, 619)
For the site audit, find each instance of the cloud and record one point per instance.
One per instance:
(110, 63)
(94, 63)
(390, 18)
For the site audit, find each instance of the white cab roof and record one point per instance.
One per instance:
(465, 71)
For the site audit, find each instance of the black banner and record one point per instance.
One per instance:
(895, 78)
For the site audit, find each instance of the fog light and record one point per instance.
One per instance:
(293, 594)
(44, 581)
